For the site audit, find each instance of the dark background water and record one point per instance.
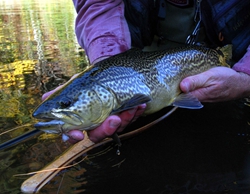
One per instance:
(192, 151)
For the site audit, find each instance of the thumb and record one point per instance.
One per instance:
(192, 83)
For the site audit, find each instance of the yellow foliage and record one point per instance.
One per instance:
(9, 107)
(13, 73)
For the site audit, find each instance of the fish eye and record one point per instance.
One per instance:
(64, 103)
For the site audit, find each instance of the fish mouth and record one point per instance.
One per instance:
(58, 115)
(53, 126)
(56, 126)
(59, 122)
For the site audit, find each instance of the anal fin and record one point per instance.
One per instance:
(187, 100)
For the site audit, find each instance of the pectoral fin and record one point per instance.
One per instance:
(187, 100)
(133, 102)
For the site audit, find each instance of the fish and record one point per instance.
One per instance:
(124, 81)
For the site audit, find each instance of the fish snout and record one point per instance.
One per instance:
(40, 113)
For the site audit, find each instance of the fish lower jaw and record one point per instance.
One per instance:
(67, 127)
(59, 126)
(68, 117)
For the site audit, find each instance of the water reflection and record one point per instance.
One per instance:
(38, 51)
(37, 47)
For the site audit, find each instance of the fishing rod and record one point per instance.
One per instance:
(20, 138)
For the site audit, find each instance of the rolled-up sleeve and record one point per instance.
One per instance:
(244, 64)
(101, 28)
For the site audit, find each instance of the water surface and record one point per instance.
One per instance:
(38, 51)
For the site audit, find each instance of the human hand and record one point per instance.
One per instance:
(217, 84)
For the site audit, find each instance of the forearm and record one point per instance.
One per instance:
(101, 28)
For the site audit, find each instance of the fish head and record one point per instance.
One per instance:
(75, 108)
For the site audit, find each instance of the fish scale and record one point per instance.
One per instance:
(124, 81)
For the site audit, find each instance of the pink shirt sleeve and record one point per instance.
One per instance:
(243, 65)
(101, 28)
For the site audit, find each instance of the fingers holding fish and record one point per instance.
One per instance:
(106, 129)
(75, 136)
(216, 84)
(130, 116)
(140, 110)
(116, 123)
(47, 94)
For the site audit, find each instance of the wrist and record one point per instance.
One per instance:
(244, 84)
(243, 65)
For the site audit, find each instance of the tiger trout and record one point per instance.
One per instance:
(124, 81)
